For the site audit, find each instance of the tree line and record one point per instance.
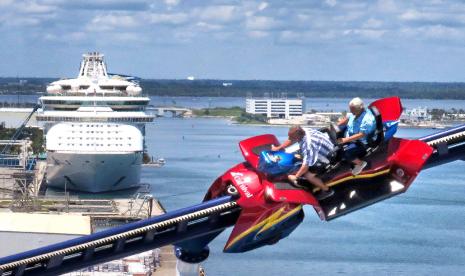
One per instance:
(244, 88)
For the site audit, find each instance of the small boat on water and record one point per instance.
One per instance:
(155, 163)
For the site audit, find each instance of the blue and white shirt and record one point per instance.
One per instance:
(315, 146)
(365, 123)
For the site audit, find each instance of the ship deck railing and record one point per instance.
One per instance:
(145, 119)
(100, 93)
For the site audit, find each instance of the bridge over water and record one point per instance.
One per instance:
(161, 111)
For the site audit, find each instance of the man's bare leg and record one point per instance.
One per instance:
(311, 177)
(357, 161)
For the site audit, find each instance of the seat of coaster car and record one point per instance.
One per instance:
(337, 155)
(377, 137)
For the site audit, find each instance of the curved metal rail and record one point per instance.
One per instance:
(449, 145)
(203, 219)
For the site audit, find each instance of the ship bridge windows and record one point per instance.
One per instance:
(114, 87)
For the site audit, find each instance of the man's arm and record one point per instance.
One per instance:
(367, 126)
(303, 170)
(352, 138)
(284, 145)
(343, 121)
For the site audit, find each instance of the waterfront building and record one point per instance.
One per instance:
(419, 114)
(276, 107)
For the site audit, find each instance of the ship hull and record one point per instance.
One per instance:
(93, 172)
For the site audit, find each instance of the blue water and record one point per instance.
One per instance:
(326, 104)
(420, 232)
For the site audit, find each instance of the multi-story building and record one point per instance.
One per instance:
(276, 107)
(418, 114)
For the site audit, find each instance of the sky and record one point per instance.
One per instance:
(384, 40)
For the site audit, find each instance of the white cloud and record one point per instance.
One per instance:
(127, 37)
(365, 33)
(184, 36)
(72, 37)
(440, 32)
(387, 6)
(209, 27)
(261, 23)
(258, 34)
(262, 6)
(331, 3)
(436, 32)
(415, 15)
(303, 37)
(77, 36)
(431, 18)
(171, 2)
(372, 23)
(6, 2)
(217, 13)
(111, 22)
(303, 17)
(412, 15)
(33, 7)
(169, 18)
(22, 21)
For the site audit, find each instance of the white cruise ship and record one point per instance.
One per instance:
(95, 129)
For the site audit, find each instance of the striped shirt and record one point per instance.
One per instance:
(315, 146)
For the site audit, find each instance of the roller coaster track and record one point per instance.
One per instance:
(203, 219)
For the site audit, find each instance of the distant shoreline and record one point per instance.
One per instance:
(245, 96)
(243, 88)
(436, 125)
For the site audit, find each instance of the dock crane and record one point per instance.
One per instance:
(20, 129)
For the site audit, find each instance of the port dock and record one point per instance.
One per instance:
(29, 214)
(61, 219)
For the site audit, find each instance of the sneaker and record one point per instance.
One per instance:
(325, 194)
(359, 168)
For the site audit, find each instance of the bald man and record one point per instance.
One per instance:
(314, 146)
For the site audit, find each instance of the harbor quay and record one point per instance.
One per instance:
(28, 214)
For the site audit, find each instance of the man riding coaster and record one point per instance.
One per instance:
(360, 123)
(314, 146)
